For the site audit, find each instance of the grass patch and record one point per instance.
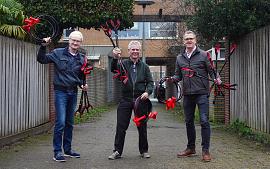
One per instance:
(95, 112)
(243, 130)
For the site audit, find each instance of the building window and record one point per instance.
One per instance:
(163, 30)
(66, 33)
(132, 33)
(220, 56)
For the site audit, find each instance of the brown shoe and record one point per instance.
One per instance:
(206, 157)
(186, 153)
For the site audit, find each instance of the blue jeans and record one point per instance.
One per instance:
(65, 104)
(190, 102)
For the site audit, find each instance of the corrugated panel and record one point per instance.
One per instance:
(250, 69)
(24, 87)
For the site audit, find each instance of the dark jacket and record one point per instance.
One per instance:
(67, 68)
(143, 82)
(200, 63)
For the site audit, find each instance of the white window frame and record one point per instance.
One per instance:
(213, 55)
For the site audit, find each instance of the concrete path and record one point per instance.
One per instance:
(94, 140)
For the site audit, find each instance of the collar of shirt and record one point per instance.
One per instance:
(189, 54)
(67, 53)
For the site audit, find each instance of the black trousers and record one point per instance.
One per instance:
(124, 112)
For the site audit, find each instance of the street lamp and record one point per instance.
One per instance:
(143, 4)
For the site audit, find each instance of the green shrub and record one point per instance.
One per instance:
(243, 130)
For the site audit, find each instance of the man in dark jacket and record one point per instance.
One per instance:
(138, 84)
(191, 66)
(67, 76)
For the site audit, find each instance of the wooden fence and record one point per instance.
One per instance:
(250, 69)
(24, 87)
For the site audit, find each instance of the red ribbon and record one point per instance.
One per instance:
(123, 78)
(86, 69)
(137, 120)
(152, 115)
(114, 23)
(170, 103)
(29, 23)
(107, 30)
(191, 74)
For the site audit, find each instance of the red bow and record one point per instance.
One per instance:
(170, 103)
(152, 115)
(137, 120)
(30, 22)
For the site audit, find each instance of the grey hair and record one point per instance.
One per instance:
(77, 34)
(134, 42)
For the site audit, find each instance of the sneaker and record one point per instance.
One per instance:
(145, 155)
(115, 155)
(59, 157)
(72, 154)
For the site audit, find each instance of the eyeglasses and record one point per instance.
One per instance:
(75, 40)
(189, 38)
(135, 49)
